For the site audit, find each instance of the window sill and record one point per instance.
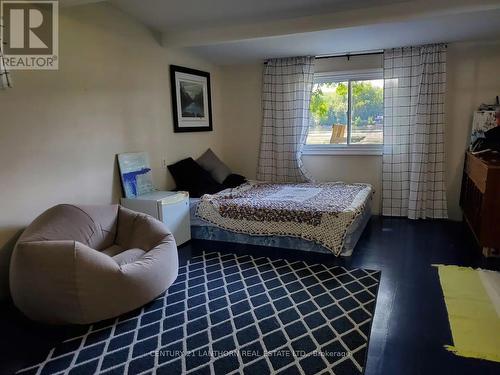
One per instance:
(375, 150)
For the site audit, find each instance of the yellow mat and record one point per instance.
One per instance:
(472, 306)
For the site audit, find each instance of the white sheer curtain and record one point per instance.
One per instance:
(413, 161)
(286, 97)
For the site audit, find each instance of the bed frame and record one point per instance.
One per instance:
(203, 230)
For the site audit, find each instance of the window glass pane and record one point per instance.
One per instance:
(328, 113)
(367, 111)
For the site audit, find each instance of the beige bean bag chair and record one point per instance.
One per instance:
(82, 264)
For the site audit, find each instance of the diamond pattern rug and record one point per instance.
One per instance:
(234, 314)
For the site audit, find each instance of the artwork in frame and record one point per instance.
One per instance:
(191, 99)
(135, 174)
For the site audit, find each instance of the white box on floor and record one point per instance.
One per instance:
(170, 207)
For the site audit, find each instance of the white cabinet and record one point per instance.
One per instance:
(170, 207)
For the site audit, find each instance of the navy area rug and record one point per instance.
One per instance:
(230, 314)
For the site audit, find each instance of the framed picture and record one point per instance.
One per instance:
(191, 99)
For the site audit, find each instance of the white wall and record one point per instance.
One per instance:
(60, 130)
(241, 114)
(472, 79)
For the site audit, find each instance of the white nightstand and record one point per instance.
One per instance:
(170, 207)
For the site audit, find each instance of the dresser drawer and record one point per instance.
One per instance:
(477, 172)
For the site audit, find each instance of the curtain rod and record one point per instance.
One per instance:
(348, 55)
(368, 53)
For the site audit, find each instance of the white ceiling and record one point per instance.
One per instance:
(175, 15)
(452, 28)
(237, 31)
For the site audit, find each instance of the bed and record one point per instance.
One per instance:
(317, 217)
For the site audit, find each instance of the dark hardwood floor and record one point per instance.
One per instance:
(410, 326)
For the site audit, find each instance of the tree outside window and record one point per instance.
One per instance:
(347, 112)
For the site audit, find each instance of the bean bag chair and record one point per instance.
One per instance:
(82, 264)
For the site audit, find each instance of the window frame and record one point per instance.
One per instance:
(349, 148)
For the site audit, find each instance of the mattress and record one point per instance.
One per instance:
(201, 229)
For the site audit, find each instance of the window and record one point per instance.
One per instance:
(347, 113)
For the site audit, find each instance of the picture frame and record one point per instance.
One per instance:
(191, 99)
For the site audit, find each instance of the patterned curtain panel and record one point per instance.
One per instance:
(286, 95)
(413, 161)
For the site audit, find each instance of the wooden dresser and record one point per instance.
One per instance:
(480, 199)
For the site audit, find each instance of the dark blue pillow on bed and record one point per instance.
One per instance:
(191, 177)
(234, 180)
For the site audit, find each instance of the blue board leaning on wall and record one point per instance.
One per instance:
(135, 174)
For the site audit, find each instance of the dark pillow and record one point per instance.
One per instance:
(234, 180)
(213, 165)
(189, 176)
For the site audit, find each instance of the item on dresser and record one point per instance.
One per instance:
(479, 199)
(170, 207)
(485, 131)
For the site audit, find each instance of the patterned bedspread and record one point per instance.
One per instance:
(320, 212)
